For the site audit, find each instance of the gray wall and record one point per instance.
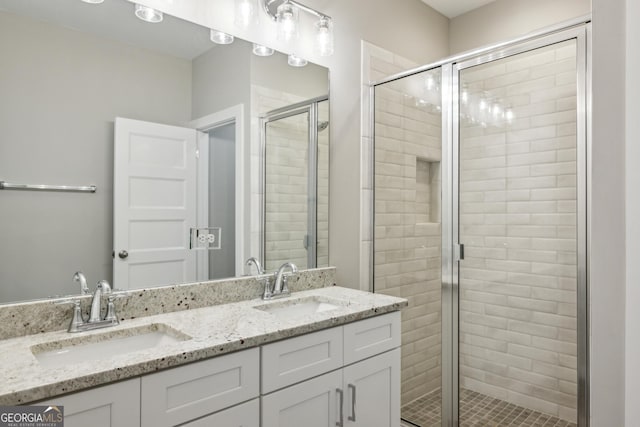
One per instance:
(607, 276)
(61, 91)
(217, 87)
(273, 72)
(505, 19)
(632, 90)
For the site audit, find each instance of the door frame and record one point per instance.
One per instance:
(580, 30)
(235, 115)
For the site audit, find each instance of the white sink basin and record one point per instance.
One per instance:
(301, 307)
(105, 346)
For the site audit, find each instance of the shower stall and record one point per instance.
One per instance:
(480, 221)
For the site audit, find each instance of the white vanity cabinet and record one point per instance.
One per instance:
(364, 393)
(113, 405)
(344, 376)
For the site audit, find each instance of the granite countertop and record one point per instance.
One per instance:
(204, 333)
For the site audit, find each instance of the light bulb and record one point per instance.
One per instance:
(245, 13)
(324, 36)
(509, 115)
(220, 38)
(260, 50)
(148, 14)
(287, 19)
(296, 61)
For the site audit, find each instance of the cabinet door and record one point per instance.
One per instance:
(372, 392)
(313, 403)
(245, 415)
(114, 405)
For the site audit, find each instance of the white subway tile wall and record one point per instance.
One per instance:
(518, 224)
(407, 243)
(286, 204)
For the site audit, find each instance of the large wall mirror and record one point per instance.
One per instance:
(202, 154)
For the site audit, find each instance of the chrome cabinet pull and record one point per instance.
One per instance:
(341, 394)
(352, 417)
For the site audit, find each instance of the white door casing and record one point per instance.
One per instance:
(154, 204)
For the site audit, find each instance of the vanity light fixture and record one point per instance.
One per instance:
(93, 1)
(260, 50)
(296, 61)
(285, 13)
(148, 14)
(324, 36)
(287, 19)
(221, 38)
(245, 13)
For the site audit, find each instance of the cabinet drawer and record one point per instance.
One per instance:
(372, 336)
(113, 405)
(245, 415)
(182, 394)
(297, 359)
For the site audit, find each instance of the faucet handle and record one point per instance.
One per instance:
(111, 309)
(76, 319)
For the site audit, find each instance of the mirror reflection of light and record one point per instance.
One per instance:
(260, 50)
(296, 61)
(93, 1)
(219, 37)
(148, 14)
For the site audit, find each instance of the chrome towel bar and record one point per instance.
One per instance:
(82, 189)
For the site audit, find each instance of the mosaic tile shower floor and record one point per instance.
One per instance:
(477, 410)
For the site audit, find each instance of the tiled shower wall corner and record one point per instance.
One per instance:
(286, 181)
(407, 258)
(518, 224)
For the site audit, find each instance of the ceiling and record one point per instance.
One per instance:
(453, 8)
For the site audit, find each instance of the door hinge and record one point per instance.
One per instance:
(459, 252)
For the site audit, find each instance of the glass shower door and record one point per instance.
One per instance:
(519, 142)
(408, 230)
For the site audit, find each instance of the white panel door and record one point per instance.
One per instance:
(113, 405)
(372, 392)
(313, 403)
(154, 204)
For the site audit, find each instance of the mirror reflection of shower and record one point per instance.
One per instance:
(295, 151)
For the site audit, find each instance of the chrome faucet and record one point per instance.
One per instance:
(78, 324)
(280, 288)
(103, 288)
(254, 261)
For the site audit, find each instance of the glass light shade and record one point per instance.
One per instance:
(245, 13)
(93, 1)
(260, 50)
(324, 36)
(221, 38)
(296, 61)
(287, 19)
(148, 14)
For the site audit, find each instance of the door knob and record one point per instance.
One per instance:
(123, 254)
